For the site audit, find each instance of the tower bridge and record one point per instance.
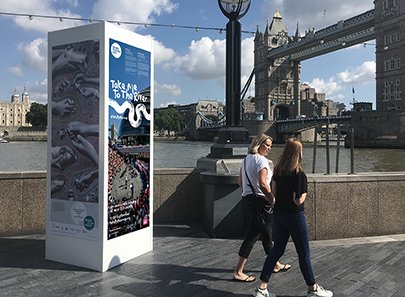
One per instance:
(277, 66)
(278, 59)
(345, 33)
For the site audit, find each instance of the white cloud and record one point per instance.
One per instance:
(205, 60)
(38, 91)
(334, 86)
(247, 63)
(331, 88)
(169, 89)
(168, 103)
(162, 54)
(314, 13)
(35, 54)
(16, 70)
(73, 3)
(123, 10)
(362, 74)
(38, 7)
(127, 10)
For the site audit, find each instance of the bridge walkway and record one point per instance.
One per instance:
(185, 262)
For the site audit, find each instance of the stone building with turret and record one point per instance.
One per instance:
(12, 113)
(274, 79)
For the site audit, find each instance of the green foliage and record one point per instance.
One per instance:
(168, 119)
(37, 116)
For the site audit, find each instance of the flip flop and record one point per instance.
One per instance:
(282, 269)
(248, 279)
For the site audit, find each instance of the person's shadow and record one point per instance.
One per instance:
(179, 281)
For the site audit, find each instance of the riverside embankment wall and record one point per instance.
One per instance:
(337, 206)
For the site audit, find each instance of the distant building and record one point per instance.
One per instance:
(316, 104)
(312, 104)
(362, 106)
(12, 114)
(195, 115)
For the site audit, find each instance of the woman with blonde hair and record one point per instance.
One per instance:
(254, 179)
(290, 189)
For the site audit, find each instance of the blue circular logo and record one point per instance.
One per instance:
(116, 50)
(89, 223)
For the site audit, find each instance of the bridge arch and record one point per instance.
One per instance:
(281, 111)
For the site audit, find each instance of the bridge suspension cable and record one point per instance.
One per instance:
(220, 122)
(247, 85)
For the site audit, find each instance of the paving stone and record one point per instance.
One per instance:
(185, 262)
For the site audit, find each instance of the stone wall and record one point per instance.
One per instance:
(378, 129)
(338, 206)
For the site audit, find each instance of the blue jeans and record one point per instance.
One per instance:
(286, 224)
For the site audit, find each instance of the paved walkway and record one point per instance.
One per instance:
(187, 263)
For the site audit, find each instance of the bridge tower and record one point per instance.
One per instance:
(276, 81)
(390, 54)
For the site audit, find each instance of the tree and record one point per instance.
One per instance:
(37, 116)
(168, 119)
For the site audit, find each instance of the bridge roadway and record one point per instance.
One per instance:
(295, 125)
(186, 263)
(306, 123)
(344, 33)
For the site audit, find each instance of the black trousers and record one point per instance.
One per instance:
(260, 224)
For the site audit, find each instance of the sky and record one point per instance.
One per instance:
(189, 64)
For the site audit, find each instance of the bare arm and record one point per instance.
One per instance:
(274, 189)
(264, 186)
(301, 199)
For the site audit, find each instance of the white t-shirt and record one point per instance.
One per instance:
(254, 163)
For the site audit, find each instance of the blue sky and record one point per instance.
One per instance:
(189, 63)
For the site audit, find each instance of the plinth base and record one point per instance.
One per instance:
(224, 213)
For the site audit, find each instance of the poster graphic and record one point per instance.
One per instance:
(75, 138)
(129, 139)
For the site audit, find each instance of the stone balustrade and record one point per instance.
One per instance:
(337, 206)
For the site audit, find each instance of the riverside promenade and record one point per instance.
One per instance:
(185, 262)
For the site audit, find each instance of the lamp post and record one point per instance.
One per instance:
(233, 10)
(221, 167)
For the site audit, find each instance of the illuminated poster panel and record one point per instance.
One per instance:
(75, 137)
(129, 119)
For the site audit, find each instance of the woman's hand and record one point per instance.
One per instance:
(299, 200)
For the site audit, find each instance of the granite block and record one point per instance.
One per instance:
(362, 209)
(391, 207)
(34, 206)
(331, 217)
(11, 204)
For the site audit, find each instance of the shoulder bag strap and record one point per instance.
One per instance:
(247, 177)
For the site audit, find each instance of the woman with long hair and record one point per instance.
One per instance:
(290, 188)
(254, 179)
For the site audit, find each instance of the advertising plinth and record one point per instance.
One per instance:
(99, 170)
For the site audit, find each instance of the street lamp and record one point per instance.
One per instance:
(233, 10)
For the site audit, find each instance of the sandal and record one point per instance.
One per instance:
(248, 279)
(282, 269)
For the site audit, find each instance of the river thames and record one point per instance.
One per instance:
(31, 156)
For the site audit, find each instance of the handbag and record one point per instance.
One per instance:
(263, 207)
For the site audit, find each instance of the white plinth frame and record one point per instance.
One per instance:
(100, 253)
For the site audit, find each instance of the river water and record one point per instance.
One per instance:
(31, 156)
